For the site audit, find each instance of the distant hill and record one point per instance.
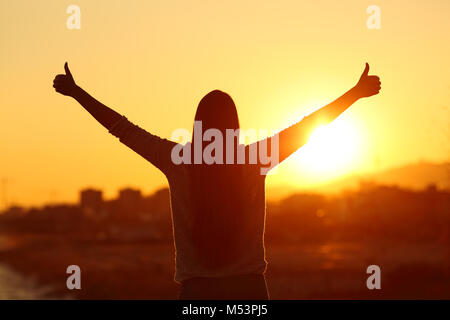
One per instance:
(412, 176)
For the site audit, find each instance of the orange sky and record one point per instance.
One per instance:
(153, 61)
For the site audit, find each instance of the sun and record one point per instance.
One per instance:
(331, 149)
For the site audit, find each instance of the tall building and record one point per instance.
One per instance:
(91, 202)
(130, 202)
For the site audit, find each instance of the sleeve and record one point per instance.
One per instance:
(271, 151)
(294, 137)
(154, 149)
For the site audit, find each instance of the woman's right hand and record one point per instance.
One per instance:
(64, 83)
(368, 85)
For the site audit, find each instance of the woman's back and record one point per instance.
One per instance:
(229, 241)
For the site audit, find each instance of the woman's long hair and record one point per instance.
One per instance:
(216, 189)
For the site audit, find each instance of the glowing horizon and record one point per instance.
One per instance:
(278, 61)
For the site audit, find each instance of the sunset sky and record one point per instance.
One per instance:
(154, 60)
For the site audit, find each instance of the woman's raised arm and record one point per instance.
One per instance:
(294, 137)
(149, 146)
(65, 84)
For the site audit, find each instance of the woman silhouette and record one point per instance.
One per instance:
(218, 209)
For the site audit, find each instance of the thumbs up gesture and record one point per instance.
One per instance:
(64, 83)
(368, 85)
